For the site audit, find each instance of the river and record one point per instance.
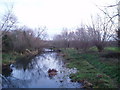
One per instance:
(34, 73)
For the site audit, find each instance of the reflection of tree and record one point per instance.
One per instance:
(35, 70)
(24, 63)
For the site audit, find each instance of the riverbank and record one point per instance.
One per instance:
(93, 70)
(13, 57)
(8, 58)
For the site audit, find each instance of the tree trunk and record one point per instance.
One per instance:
(100, 48)
(119, 24)
(119, 37)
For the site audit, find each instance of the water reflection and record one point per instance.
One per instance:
(34, 73)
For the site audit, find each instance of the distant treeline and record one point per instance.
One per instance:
(100, 33)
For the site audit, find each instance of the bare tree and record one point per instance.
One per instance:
(118, 31)
(23, 38)
(8, 22)
(63, 39)
(101, 31)
(112, 17)
(82, 38)
(78, 39)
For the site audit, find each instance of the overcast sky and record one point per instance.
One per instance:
(54, 14)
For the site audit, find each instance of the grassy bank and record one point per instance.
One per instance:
(11, 57)
(8, 58)
(100, 72)
(14, 57)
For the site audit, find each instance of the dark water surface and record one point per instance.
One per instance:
(34, 73)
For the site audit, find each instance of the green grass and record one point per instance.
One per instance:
(93, 49)
(9, 57)
(89, 66)
(107, 67)
(114, 49)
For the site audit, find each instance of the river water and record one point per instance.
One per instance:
(34, 73)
